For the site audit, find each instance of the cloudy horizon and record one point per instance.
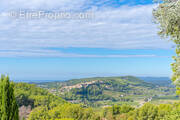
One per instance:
(120, 33)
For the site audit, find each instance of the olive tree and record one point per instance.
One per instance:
(167, 16)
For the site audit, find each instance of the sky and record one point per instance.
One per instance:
(117, 38)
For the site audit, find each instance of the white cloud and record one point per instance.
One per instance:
(41, 4)
(113, 28)
(54, 53)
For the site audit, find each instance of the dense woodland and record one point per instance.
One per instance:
(46, 106)
(37, 103)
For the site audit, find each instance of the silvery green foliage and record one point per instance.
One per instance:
(167, 16)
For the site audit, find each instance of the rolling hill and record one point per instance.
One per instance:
(107, 90)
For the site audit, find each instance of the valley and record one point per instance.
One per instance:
(107, 91)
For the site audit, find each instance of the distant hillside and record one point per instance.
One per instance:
(125, 79)
(162, 81)
(112, 89)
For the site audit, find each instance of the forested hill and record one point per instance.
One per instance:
(120, 80)
(126, 80)
(107, 90)
(122, 93)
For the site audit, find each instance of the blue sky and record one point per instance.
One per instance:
(119, 40)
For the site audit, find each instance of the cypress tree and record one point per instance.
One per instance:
(8, 105)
